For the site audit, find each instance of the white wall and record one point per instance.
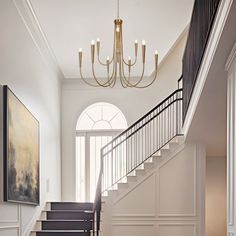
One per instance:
(133, 103)
(26, 72)
(216, 196)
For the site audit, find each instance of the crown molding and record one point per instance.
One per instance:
(79, 84)
(231, 57)
(32, 24)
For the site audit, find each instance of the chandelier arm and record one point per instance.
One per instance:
(127, 81)
(129, 84)
(132, 64)
(123, 77)
(81, 75)
(124, 85)
(106, 84)
(122, 80)
(113, 56)
(112, 78)
(104, 64)
(135, 60)
(154, 79)
(112, 84)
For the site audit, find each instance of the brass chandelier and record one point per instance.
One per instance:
(116, 65)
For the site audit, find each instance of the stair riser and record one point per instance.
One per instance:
(139, 172)
(67, 225)
(131, 179)
(112, 193)
(69, 215)
(165, 152)
(71, 206)
(173, 145)
(122, 187)
(148, 166)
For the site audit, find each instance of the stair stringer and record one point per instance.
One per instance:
(119, 218)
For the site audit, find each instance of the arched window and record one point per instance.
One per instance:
(96, 126)
(101, 116)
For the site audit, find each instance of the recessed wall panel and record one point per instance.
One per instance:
(133, 230)
(138, 202)
(177, 230)
(177, 185)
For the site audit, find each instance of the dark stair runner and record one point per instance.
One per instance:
(68, 218)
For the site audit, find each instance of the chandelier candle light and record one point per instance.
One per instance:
(116, 65)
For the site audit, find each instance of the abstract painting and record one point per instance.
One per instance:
(21, 151)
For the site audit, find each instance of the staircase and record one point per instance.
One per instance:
(65, 219)
(124, 160)
(146, 168)
(138, 149)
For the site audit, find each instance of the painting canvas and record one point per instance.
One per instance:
(21, 151)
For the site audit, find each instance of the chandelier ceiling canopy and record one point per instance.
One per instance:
(117, 66)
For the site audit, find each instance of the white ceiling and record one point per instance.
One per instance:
(71, 24)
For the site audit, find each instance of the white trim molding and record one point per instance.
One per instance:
(231, 140)
(181, 215)
(231, 58)
(184, 224)
(31, 22)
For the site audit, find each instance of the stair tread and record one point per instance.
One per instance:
(60, 231)
(64, 220)
(80, 211)
(72, 202)
(72, 205)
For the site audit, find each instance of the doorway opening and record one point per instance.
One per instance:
(97, 125)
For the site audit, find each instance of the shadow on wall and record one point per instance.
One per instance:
(216, 204)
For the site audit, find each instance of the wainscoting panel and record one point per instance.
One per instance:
(10, 220)
(133, 229)
(177, 185)
(11, 213)
(166, 201)
(168, 229)
(9, 231)
(140, 201)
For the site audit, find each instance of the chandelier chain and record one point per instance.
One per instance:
(118, 9)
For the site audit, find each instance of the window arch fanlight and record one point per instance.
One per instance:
(101, 116)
